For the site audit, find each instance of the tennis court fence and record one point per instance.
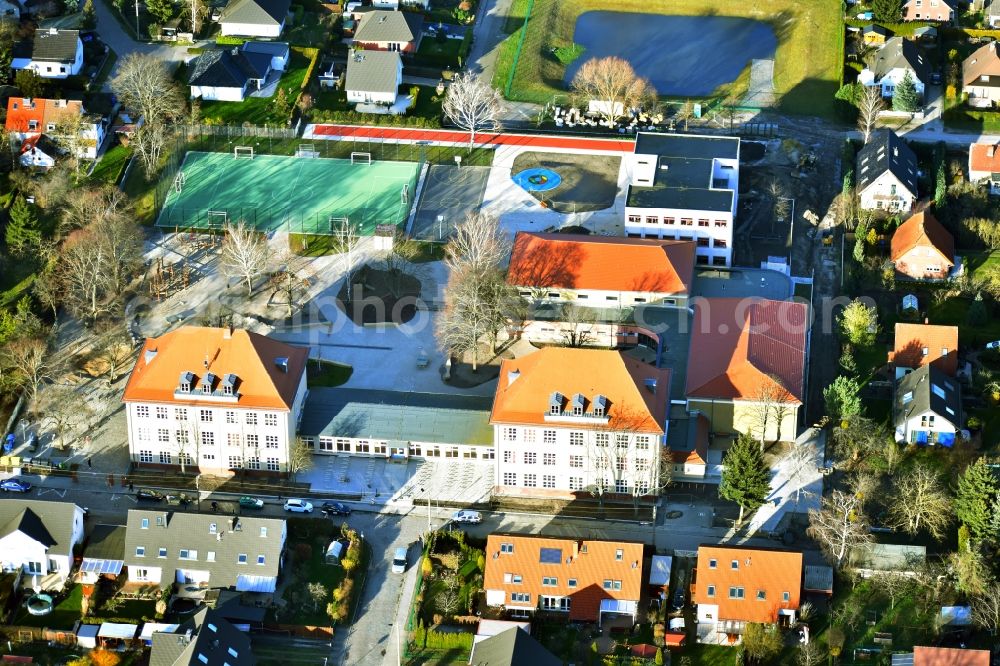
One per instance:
(286, 141)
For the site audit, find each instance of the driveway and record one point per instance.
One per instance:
(122, 43)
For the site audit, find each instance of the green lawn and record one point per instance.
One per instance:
(979, 262)
(261, 110)
(709, 655)
(327, 374)
(965, 119)
(952, 312)
(127, 610)
(109, 169)
(435, 52)
(66, 612)
(808, 61)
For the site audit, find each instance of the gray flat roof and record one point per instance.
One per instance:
(684, 171)
(742, 283)
(398, 416)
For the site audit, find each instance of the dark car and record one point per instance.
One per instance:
(936, 78)
(32, 440)
(15, 485)
(144, 495)
(335, 509)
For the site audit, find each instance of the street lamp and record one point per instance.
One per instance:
(428, 512)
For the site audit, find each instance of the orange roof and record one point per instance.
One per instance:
(601, 263)
(984, 157)
(637, 394)
(761, 572)
(941, 656)
(940, 343)
(588, 563)
(698, 453)
(740, 347)
(251, 357)
(21, 111)
(923, 230)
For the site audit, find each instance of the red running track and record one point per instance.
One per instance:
(413, 135)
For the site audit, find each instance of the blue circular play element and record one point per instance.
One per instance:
(538, 180)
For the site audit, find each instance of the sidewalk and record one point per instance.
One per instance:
(395, 647)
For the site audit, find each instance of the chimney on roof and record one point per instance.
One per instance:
(53, 31)
(651, 384)
(576, 549)
(227, 332)
(206, 361)
(149, 356)
(282, 363)
(512, 376)
(926, 321)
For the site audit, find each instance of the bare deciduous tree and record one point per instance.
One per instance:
(65, 409)
(29, 359)
(347, 235)
(614, 85)
(318, 594)
(144, 85)
(920, 501)
(578, 324)
(473, 105)
(115, 349)
(479, 242)
(245, 253)
(986, 609)
(768, 407)
(300, 457)
(870, 104)
(840, 525)
(623, 457)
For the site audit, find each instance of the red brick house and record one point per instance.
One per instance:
(922, 248)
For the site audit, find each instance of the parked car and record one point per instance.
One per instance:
(465, 516)
(993, 345)
(248, 502)
(399, 560)
(146, 495)
(935, 78)
(298, 506)
(335, 509)
(15, 485)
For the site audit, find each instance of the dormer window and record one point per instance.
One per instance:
(577, 405)
(600, 406)
(229, 384)
(187, 378)
(555, 404)
(207, 382)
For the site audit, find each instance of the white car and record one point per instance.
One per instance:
(298, 506)
(993, 345)
(467, 517)
(399, 560)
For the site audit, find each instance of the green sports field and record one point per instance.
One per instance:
(294, 194)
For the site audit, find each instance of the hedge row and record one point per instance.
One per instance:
(229, 40)
(355, 118)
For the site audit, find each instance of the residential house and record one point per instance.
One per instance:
(981, 76)
(38, 152)
(382, 30)
(984, 165)
(991, 12)
(396, 4)
(37, 537)
(52, 54)
(231, 74)
(373, 77)
(209, 550)
(571, 420)
(886, 174)
(207, 639)
(582, 287)
(215, 399)
(734, 586)
(27, 117)
(684, 187)
(590, 581)
(397, 424)
(254, 18)
(942, 656)
(512, 647)
(922, 249)
(747, 365)
(894, 60)
(874, 35)
(917, 345)
(104, 554)
(928, 10)
(928, 407)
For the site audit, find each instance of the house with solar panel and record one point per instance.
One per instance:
(104, 556)
(928, 408)
(886, 174)
(37, 539)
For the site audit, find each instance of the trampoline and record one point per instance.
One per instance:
(538, 179)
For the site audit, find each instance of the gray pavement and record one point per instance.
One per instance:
(122, 43)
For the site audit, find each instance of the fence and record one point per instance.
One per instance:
(520, 45)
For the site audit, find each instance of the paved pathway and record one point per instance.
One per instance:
(122, 43)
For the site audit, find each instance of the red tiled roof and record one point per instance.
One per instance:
(980, 158)
(526, 384)
(601, 263)
(923, 230)
(43, 111)
(912, 339)
(589, 569)
(941, 656)
(740, 347)
(699, 454)
(772, 572)
(251, 357)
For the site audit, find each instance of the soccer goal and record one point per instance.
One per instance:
(339, 226)
(404, 194)
(361, 158)
(243, 152)
(179, 181)
(216, 219)
(306, 150)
